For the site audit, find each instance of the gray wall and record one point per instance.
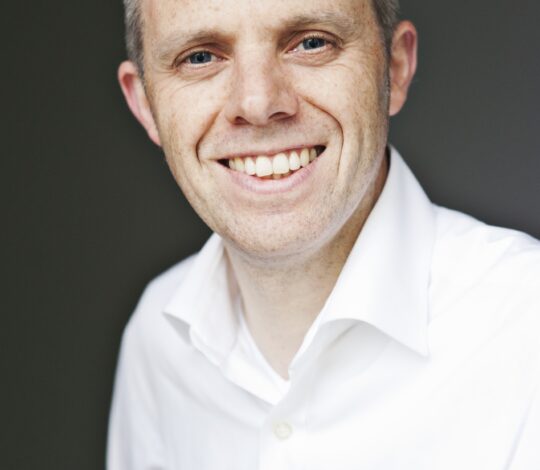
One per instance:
(91, 213)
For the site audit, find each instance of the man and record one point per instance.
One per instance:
(336, 319)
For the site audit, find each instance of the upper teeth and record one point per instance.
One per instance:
(280, 164)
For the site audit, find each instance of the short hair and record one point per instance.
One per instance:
(386, 10)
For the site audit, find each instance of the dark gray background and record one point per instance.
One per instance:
(91, 213)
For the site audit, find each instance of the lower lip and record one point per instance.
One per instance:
(285, 184)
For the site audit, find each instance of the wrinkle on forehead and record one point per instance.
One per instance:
(163, 16)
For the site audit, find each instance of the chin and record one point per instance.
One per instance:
(278, 242)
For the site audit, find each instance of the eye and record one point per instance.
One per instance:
(311, 43)
(200, 57)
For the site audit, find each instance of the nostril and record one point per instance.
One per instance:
(279, 115)
(240, 121)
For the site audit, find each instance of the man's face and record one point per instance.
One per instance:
(241, 78)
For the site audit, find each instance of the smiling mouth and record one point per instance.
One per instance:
(277, 166)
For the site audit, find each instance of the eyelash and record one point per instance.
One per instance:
(183, 60)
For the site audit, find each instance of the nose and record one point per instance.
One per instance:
(260, 93)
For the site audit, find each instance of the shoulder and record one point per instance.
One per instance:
(491, 272)
(133, 421)
(470, 248)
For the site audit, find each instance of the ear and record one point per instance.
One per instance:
(403, 60)
(136, 98)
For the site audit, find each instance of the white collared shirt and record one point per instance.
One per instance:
(426, 356)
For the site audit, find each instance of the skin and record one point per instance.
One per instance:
(261, 89)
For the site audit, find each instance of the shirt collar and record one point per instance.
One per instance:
(205, 301)
(384, 281)
(386, 277)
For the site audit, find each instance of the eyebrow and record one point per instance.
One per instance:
(344, 25)
(177, 41)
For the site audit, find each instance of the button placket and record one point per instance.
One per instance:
(283, 430)
(283, 437)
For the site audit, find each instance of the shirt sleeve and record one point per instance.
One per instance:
(526, 454)
(134, 441)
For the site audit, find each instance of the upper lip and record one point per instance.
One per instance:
(268, 152)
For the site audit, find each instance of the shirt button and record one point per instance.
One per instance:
(283, 430)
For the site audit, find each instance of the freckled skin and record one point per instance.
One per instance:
(340, 102)
(263, 89)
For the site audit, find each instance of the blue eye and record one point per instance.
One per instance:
(313, 43)
(201, 57)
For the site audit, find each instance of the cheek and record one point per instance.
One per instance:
(186, 115)
(354, 97)
(349, 92)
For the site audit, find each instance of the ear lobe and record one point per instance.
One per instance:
(135, 95)
(403, 62)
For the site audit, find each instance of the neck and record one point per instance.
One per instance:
(282, 300)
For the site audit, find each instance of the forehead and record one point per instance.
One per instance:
(163, 18)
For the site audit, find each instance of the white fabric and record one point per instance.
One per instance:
(426, 356)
